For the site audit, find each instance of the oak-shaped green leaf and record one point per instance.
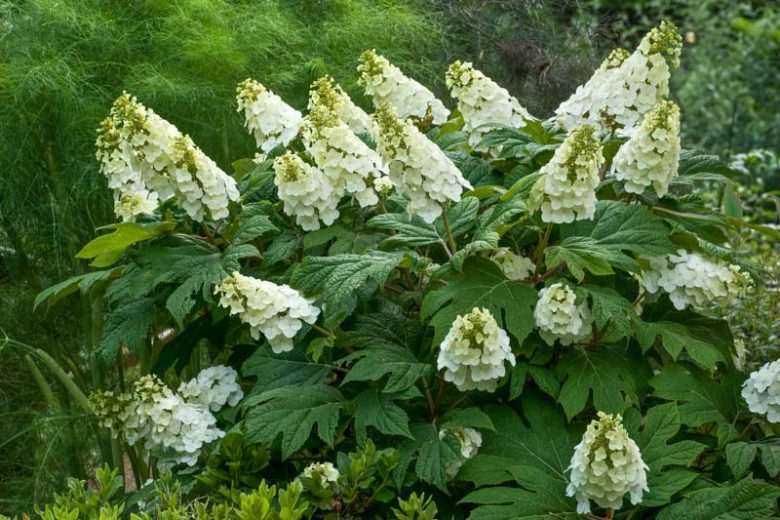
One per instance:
(482, 284)
(534, 457)
(747, 499)
(338, 277)
(612, 374)
(293, 412)
(285, 369)
(700, 399)
(378, 410)
(667, 462)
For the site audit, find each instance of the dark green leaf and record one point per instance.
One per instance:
(337, 277)
(481, 285)
(292, 412)
(739, 456)
(747, 499)
(126, 326)
(285, 369)
(611, 374)
(376, 409)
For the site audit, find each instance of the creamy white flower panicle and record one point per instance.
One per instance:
(307, 193)
(147, 160)
(514, 266)
(326, 471)
(619, 95)
(588, 102)
(213, 387)
(348, 163)
(418, 167)
(473, 353)
(566, 191)
(652, 154)
(272, 121)
(325, 92)
(470, 442)
(761, 391)
(276, 311)
(482, 101)
(169, 424)
(559, 316)
(693, 280)
(387, 86)
(606, 465)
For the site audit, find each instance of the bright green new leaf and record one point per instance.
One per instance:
(107, 249)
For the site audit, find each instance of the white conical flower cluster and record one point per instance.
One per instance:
(348, 163)
(276, 311)
(514, 266)
(387, 86)
(652, 154)
(559, 316)
(566, 191)
(213, 387)
(472, 354)
(418, 167)
(625, 89)
(606, 465)
(327, 93)
(470, 442)
(482, 101)
(761, 391)
(307, 194)
(691, 279)
(146, 160)
(327, 472)
(272, 121)
(585, 106)
(173, 425)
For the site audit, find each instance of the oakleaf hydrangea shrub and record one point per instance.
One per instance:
(403, 310)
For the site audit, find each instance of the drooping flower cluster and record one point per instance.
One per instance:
(566, 191)
(514, 266)
(559, 316)
(606, 465)
(348, 163)
(307, 194)
(272, 121)
(418, 167)
(691, 279)
(324, 92)
(276, 311)
(585, 106)
(326, 471)
(470, 441)
(147, 160)
(387, 86)
(625, 88)
(761, 391)
(482, 101)
(652, 154)
(473, 352)
(213, 387)
(173, 425)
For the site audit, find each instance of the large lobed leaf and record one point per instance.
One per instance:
(482, 284)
